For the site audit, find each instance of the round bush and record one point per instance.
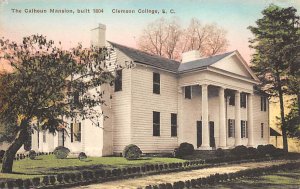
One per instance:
(184, 149)
(32, 154)
(61, 152)
(82, 156)
(132, 152)
(220, 153)
(240, 151)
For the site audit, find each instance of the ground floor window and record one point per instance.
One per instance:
(173, 125)
(244, 129)
(156, 123)
(75, 132)
(262, 130)
(231, 127)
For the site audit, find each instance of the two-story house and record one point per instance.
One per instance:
(158, 103)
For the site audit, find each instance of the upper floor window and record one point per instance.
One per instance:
(118, 81)
(76, 132)
(156, 123)
(263, 103)
(231, 127)
(231, 97)
(262, 130)
(243, 100)
(188, 92)
(173, 125)
(156, 83)
(244, 129)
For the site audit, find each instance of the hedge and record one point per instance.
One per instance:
(217, 178)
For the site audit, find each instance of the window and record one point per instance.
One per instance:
(118, 81)
(75, 132)
(243, 100)
(231, 129)
(244, 129)
(156, 123)
(44, 136)
(188, 92)
(263, 104)
(231, 99)
(156, 83)
(262, 130)
(173, 125)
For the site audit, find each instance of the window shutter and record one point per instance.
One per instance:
(246, 129)
(229, 135)
(233, 123)
(242, 129)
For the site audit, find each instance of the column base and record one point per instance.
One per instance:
(223, 147)
(204, 148)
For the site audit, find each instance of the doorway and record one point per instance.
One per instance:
(212, 142)
(199, 133)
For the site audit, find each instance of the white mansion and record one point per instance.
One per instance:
(159, 103)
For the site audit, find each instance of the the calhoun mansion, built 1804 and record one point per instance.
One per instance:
(159, 103)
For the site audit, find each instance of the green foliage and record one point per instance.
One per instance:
(240, 151)
(32, 154)
(220, 153)
(82, 156)
(132, 152)
(2, 152)
(293, 120)
(184, 149)
(61, 152)
(276, 59)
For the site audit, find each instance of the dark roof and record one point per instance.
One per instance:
(274, 133)
(148, 59)
(164, 63)
(202, 62)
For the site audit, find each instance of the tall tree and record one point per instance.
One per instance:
(276, 43)
(167, 38)
(48, 83)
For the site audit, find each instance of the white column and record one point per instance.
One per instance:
(180, 131)
(205, 129)
(237, 118)
(250, 119)
(222, 121)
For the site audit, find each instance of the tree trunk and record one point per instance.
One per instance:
(10, 153)
(283, 124)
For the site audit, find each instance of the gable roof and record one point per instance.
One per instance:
(174, 66)
(202, 62)
(148, 59)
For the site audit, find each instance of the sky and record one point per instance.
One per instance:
(233, 15)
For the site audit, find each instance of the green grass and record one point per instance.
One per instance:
(48, 164)
(286, 180)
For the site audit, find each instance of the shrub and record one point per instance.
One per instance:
(220, 153)
(132, 152)
(19, 183)
(61, 152)
(46, 180)
(82, 156)
(2, 184)
(52, 179)
(36, 181)
(27, 183)
(252, 152)
(184, 149)
(240, 151)
(32, 154)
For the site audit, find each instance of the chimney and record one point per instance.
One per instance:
(190, 56)
(98, 36)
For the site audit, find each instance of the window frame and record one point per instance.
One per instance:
(75, 138)
(263, 103)
(231, 100)
(174, 125)
(231, 128)
(156, 83)
(243, 100)
(44, 136)
(261, 130)
(118, 83)
(190, 92)
(244, 129)
(156, 125)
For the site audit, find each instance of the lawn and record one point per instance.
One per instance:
(48, 164)
(279, 180)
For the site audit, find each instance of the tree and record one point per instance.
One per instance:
(168, 39)
(276, 44)
(48, 84)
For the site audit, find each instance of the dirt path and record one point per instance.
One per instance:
(173, 177)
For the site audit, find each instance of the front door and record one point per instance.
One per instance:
(212, 142)
(199, 133)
